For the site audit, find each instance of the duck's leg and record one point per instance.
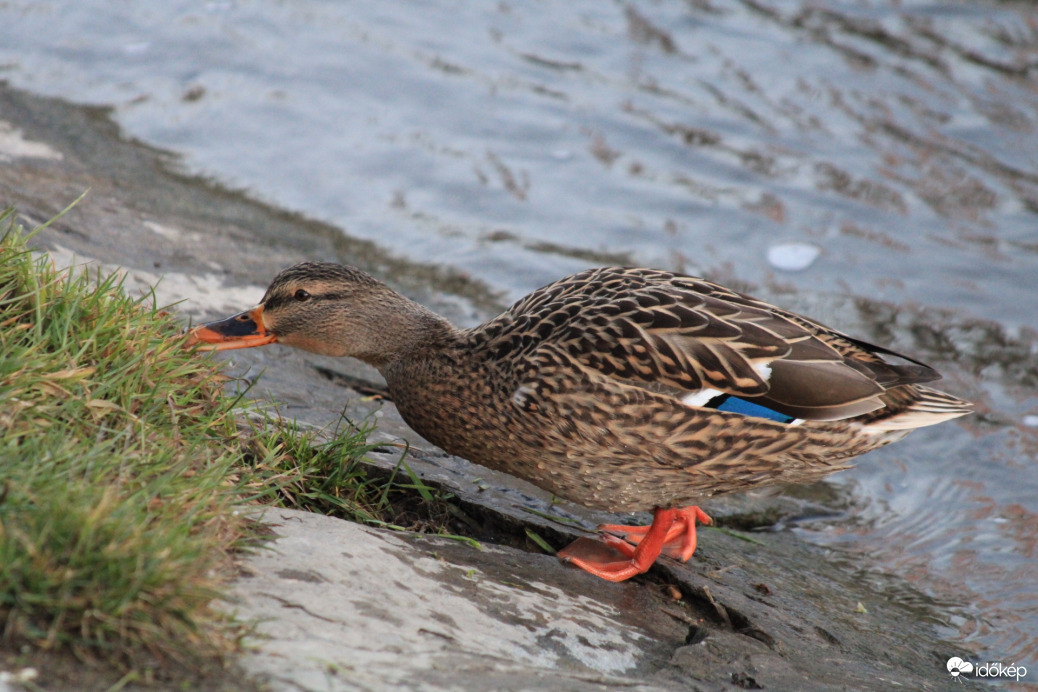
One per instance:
(680, 541)
(668, 525)
(687, 516)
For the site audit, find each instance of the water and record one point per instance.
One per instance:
(892, 143)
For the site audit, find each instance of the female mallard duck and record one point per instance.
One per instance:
(621, 389)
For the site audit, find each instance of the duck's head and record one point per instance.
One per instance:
(327, 309)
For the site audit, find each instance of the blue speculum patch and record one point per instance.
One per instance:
(733, 404)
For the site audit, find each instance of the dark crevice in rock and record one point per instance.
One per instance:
(696, 634)
(746, 681)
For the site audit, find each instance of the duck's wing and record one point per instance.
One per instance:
(697, 339)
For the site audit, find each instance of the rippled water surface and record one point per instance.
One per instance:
(872, 164)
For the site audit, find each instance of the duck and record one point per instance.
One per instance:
(623, 389)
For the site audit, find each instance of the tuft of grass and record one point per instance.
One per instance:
(294, 468)
(116, 450)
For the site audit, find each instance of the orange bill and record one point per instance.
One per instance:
(244, 330)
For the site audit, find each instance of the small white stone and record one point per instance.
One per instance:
(793, 257)
(1031, 421)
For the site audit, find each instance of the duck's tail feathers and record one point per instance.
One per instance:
(924, 407)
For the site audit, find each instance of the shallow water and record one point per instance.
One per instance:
(885, 151)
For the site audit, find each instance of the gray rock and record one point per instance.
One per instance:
(345, 606)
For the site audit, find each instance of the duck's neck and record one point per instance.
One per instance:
(406, 333)
(430, 384)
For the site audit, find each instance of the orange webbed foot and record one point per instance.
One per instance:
(672, 531)
(679, 542)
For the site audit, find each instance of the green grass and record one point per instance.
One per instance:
(115, 451)
(122, 466)
(301, 472)
(332, 478)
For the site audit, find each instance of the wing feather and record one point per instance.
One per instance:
(664, 331)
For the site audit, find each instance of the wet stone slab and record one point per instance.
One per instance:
(343, 606)
(373, 608)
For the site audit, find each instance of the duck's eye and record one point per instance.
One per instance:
(302, 296)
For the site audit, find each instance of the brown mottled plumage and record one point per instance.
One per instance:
(603, 387)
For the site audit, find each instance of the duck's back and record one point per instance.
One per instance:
(632, 388)
(669, 332)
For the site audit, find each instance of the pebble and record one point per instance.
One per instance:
(793, 257)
